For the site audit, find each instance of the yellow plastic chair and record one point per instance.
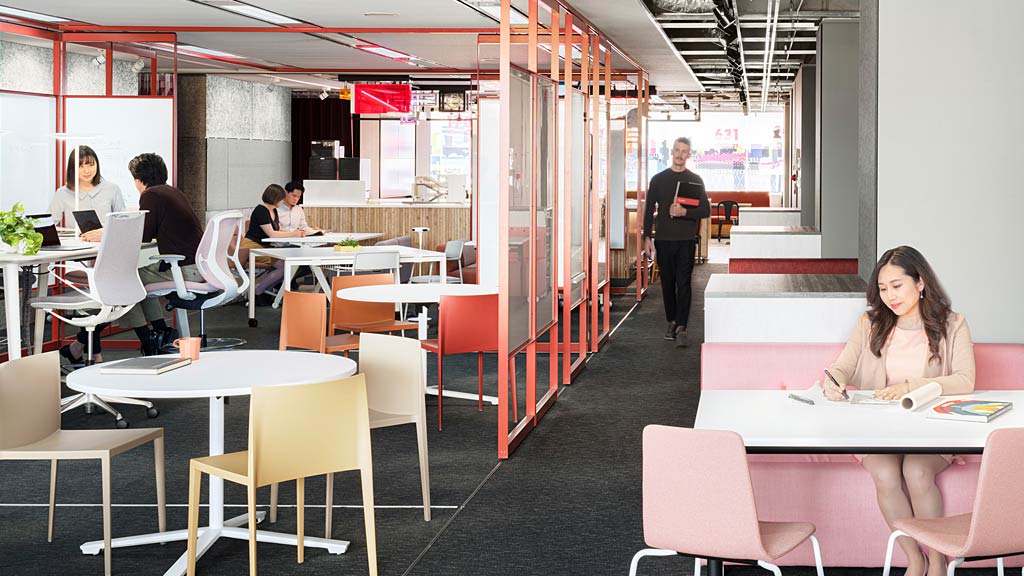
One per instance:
(295, 432)
(30, 430)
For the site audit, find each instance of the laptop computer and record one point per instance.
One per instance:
(87, 220)
(51, 242)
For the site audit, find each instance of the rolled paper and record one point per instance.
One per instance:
(921, 397)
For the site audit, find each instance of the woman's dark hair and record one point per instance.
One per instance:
(934, 304)
(273, 194)
(84, 155)
(149, 169)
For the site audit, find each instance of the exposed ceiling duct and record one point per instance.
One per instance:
(683, 6)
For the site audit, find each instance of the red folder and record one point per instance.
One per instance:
(687, 201)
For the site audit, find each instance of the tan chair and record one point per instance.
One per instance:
(295, 432)
(304, 325)
(30, 430)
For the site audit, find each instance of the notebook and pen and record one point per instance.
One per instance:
(685, 200)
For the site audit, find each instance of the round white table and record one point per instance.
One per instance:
(426, 294)
(214, 376)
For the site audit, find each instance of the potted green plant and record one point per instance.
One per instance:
(18, 233)
(347, 245)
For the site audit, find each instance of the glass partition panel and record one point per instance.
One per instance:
(617, 183)
(397, 158)
(578, 184)
(546, 182)
(520, 186)
(602, 189)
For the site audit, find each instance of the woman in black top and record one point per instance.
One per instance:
(263, 223)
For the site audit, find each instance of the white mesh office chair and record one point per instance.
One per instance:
(218, 251)
(452, 253)
(113, 289)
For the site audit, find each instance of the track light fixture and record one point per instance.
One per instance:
(138, 65)
(324, 95)
(99, 60)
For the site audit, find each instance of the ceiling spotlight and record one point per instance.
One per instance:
(138, 65)
(324, 95)
(99, 60)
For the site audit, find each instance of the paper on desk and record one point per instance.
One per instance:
(868, 399)
(921, 397)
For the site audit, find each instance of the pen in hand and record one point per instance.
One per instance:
(842, 390)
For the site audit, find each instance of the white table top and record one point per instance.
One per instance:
(785, 286)
(405, 253)
(88, 249)
(328, 238)
(771, 422)
(402, 293)
(227, 373)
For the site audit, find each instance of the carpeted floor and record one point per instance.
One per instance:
(567, 502)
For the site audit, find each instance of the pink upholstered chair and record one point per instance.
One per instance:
(698, 501)
(992, 528)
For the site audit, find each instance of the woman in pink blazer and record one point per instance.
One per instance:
(909, 337)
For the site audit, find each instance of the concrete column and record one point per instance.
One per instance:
(837, 191)
(803, 131)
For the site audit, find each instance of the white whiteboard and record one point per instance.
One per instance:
(124, 128)
(27, 151)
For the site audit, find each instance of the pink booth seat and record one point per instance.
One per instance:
(832, 490)
(792, 266)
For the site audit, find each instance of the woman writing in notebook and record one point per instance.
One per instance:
(94, 193)
(909, 337)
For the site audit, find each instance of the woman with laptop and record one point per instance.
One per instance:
(94, 193)
(909, 337)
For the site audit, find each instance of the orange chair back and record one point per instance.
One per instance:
(468, 324)
(303, 321)
(349, 312)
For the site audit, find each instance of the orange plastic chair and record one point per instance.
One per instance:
(304, 325)
(992, 528)
(355, 316)
(465, 324)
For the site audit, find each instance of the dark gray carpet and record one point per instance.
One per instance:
(567, 502)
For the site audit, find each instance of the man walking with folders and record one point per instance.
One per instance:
(678, 196)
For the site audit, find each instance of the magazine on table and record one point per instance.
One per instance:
(970, 410)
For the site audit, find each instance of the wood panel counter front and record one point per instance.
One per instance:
(446, 221)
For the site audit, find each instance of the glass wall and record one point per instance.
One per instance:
(451, 145)
(577, 215)
(730, 151)
(520, 187)
(397, 158)
(546, 187)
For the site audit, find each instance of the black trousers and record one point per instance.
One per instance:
(675, 264)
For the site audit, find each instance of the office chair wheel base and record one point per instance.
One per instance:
(222, 343)
(153, 412)
(122, 424)
(253, 322)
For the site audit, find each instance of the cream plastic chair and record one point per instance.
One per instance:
(30, 430)
(295, 432)
(393, 367)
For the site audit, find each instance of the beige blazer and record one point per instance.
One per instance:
(954, 371)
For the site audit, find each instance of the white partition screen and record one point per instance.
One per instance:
(27, 151)
(123, 128)
(487, 187)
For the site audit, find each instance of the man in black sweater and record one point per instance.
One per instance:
(680, 199)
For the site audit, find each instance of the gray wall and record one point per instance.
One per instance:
(837, 137)
(234, 139)
(868, 160)
(804, 135)
(948, 163)
(29, 68)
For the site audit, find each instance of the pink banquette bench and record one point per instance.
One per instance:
(834, 491)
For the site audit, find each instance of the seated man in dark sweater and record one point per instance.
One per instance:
(171, 221)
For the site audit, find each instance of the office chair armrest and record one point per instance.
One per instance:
(179, 279)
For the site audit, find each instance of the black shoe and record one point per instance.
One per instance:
(670, 334)
(150, 343)
(65, 352)
(682, 339)
(165, 338)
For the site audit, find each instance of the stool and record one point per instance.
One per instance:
(420, 230)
